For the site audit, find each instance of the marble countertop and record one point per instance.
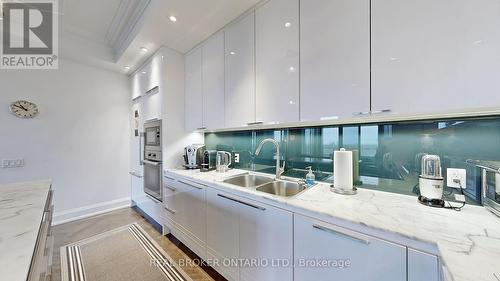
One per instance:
(468, 242)
(21, 212)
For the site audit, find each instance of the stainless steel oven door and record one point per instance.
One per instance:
(153, 179)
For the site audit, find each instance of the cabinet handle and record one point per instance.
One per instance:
(197, 187)
(361, 113)
(366, 113)
(381, 111)
(201, 128)
(171, 188)
(169, 178)
(169, 210)
(241, 202)
(337, 232)
(255, 123)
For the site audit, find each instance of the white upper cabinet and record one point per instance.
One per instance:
(194, 91)
(435, 56)
(369, 258)
(277, 61)
(335, 58)
(240, 72)
(213, 82)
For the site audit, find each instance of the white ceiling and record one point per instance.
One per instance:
(86, 26)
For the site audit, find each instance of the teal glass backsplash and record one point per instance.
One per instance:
(390, 153)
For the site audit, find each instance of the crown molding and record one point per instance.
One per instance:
(125, 25)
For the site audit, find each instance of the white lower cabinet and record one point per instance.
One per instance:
(223, 239)
(266, 236)
(325, 252)
(184, 203)
(253, 236)
(422, 266)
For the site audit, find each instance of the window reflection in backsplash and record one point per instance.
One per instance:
(389, 153)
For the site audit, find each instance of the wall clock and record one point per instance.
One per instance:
(24, 109)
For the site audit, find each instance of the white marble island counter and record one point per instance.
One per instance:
(468, 242)
(21, 211)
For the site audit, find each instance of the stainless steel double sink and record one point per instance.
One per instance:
(266, 184)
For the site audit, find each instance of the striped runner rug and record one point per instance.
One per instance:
(122, 254)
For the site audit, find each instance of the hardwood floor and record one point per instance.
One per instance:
(75, 231)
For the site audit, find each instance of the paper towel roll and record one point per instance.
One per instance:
(342, 169)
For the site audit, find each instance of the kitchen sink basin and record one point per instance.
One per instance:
(282, 188)
(248, 180)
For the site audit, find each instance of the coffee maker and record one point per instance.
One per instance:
(193, 156)
(431, 182)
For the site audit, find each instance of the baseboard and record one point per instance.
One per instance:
(90, 210)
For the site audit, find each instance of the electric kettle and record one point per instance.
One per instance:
(223, 160)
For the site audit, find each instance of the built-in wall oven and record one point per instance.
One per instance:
(153, 166)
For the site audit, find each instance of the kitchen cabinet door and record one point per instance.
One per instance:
(223, 235)
(422, 266)
(193, 91)
(213, 82)
(135, 82)
(435, 56)
(277, 62)
(190, 213)
(325, 252)
(136, 188)
(240, 72)
(266, 234)
(335, 58)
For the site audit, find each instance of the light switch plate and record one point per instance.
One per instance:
(456, 178)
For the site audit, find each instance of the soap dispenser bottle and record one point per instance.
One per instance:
(310, 177)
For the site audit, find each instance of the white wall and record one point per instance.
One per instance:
(80, 138)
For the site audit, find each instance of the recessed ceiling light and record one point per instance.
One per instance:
(172, 19)
(126, 67)
(144, 72)
(288, 24)
(232, 53)
(144, 49)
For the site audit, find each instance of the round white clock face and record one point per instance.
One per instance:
(24, 109)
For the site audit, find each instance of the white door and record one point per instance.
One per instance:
(435, 55)
(325, 252)
(240, 72)
(193, 90)
(213, 82)
(266, 234)
(335, 58)
(223, 236)
(277, 62)
(422, 266)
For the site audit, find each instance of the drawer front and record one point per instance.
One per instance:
(336, 253)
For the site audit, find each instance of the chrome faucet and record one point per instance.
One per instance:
(279, 169)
